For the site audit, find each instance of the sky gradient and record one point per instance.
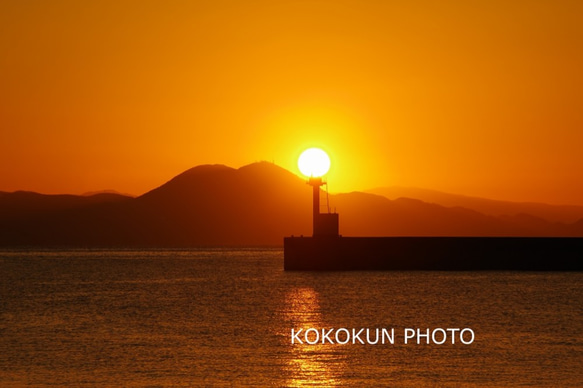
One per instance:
(482, 98)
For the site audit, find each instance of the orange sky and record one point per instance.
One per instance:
(473, 97)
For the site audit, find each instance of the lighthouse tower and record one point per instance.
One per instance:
(324, 224)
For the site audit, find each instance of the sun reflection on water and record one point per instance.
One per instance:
(310, 365)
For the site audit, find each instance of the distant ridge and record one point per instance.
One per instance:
(22, 204)
(258, 204)
(115, 192)
(552, 213)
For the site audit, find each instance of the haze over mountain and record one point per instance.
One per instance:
(257, 204)
(21, 205)
(553, 213)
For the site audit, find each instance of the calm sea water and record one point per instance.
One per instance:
(224, 318)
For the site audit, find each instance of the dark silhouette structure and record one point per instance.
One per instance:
(327, 250)
(324, 224)
(434, 253)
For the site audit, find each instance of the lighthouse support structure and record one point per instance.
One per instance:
(324, 224)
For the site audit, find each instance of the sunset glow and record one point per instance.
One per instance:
(483, 99)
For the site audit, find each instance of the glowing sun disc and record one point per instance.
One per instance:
(314, 162)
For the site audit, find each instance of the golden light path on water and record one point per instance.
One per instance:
(223, 318)
(310, 365)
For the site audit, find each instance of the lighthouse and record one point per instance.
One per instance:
(324, 224)
(314, 163)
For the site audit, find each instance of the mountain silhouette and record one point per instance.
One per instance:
(23, 204)
(258, 204)
(552, 213)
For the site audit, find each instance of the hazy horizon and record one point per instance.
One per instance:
(369, 189)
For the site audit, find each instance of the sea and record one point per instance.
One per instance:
(224, 318)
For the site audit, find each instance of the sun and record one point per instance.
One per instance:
(314, 162)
